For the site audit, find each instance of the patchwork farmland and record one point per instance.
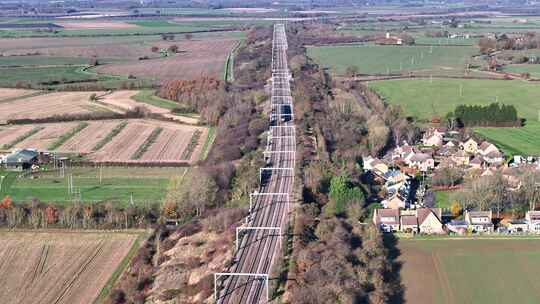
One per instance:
(451, 271)
(171, 145)
(58, 267)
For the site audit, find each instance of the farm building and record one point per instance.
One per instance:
(21, 159)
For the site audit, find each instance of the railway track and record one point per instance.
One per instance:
(259, 240)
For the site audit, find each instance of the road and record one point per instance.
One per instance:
(261, 236)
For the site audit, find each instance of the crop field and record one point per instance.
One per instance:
(124, 100)
(460, 270)
(40, 60)
(48, 105)
(59, 267)
(204, 57)
(174, 144)
(73, 28)
(10, 94)
(377, 59)
(120, 185)
(169, 146)
(423, 98)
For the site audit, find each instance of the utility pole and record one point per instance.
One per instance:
(1, 182)
(100, 173)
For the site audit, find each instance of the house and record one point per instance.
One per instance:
(517, 226)
(494, 158)
(421, 220)
(389, 40)
(477, 162)
(21, 159)
(457, 226)
(479, 221)
(433, 140)
(433, 137)
(533, 221)
(461, 158)
(386, 219)
(394, 177)
(409, 224)
(422, 161)
(486, 147)
(394, 202)
(430, 220)
(470, 146)
(374, 164)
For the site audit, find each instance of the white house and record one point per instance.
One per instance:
(480, 221)
(422, 161)
(533, 221)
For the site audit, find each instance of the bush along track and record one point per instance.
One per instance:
(62, 139)
(186, 155)
(147, 143)
(110, 136)
(22, 137)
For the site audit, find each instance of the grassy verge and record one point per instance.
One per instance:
(147, 143)
(106, 290)
(149, 97)
(208, 143)
(62, 139)
(21, 138)
(110, 136)
(228, 73)
(9, 179)
(186, 155)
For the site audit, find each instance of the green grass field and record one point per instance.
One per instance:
(422, 98)
(41, 61)
(443, 199)
(147, 185)
(461, 270)
(149, 97)
(376, 59)
(532, 69)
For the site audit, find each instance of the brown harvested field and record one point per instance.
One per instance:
(42, 139)
(123, 100)
(49, 105)
(171, 143)
(58, 267)
(204, 57)
(85, 25)
(468, 270)
(13, 93)
(84, 141)
(124, 145)
(101, 47)
(168, 147)
(9, 134)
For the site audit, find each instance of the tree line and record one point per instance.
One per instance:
(492, 115)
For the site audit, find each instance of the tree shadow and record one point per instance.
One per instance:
(393, 275)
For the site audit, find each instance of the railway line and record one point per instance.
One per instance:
(259, 239)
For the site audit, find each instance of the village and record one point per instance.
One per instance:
(405, 175)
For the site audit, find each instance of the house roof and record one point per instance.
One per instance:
(409, 220)
(485, 145)
(387, 213)
(22, 156)
(420, 157)
(423, 213)
(480, 214)
(477, 161)
(494, 154)
(458, 223)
